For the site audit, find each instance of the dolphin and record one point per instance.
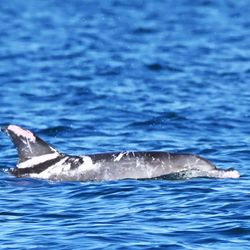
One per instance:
(38, 159)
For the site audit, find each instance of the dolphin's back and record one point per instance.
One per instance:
(144, 165)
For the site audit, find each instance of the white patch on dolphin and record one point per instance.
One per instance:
(119, 157)
(37, 160)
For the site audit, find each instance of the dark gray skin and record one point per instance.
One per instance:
(39, 160)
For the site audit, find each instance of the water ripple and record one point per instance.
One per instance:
(127, 75)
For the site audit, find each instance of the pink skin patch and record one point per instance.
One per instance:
(21, 132)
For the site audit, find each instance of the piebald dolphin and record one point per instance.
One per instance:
(38, 159)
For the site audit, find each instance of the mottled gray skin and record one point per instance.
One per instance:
(144, 165)
(107, 166)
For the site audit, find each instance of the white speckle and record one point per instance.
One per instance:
(119, 157)
(149, 171)
(29, 145)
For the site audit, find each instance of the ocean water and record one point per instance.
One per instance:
(102, 76)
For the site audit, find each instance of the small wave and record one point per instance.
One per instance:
(160, 67)
(55, 130)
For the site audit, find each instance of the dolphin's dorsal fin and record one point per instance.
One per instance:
(27, 144)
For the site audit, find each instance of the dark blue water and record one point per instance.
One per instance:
(101, 76)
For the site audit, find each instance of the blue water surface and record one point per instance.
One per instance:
(102, 76)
